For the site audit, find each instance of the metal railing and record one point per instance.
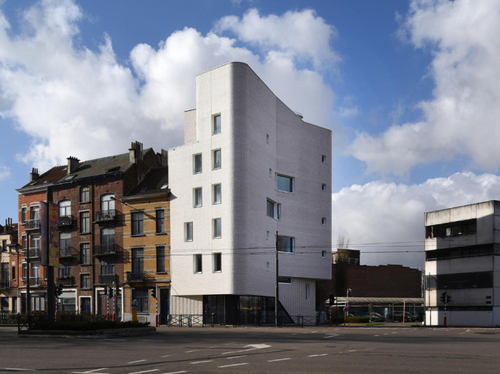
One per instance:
(136, 277)
(34, 252)
(31, 224)
(66, 221)
(106, 215)
(106, 249)
(190, 320)
(67, 252)
(66, 281)
(181, 320)
(107, 278)
(34, 281)
(4, 283)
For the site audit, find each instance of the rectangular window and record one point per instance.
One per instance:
(197, 197)
(188, 231)
(140, 298)
(84, 222)
(273, 209)
(197, 263)
(23, 215)
(323, 220)
(107, 268)
(65, 208)
(216, 159)
(286, 244)
(323, 187)
(137, 260)
(284, 183)
(84, 194)
(286, 280)
(64, 271)
(216, 124)
(137, 223)
(35, 213)
(85, 253)
(307, 291)
(65, 244)
(25, 242)
(217, 227)
(217, 194)
(160, 259)
(197, 166)
(217, 262)
(160, 221)
(323, 159)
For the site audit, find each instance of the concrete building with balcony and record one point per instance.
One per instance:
(8, 267)
(251, 177)
(462, 265)
(146, 249)
(90, 228)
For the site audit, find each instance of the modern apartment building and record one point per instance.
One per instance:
(90, 229)
(252, 173)
(462, 265)
(8, 267)
(146, 249)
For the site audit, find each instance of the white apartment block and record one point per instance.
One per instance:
(462, 253)
(250, 168)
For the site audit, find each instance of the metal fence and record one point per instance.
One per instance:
(192, 320)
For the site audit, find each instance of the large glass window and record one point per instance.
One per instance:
(286, 244)
(160, 259)
(197, 167)
(108, 240)
(140, 299)
(160, 221)
(137, 223)
(85, 253)
(65, 208)
(216, 124)
(35, 213)
(107, 268)
(197, 197)
(84, 194)
(216, 159)
(188, 231)
(217, 194)
(65, 244)
(284, 183)
(85, 281)
(108, 203)
(137, 260)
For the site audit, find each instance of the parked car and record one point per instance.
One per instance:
(398, 317)
(376, 317)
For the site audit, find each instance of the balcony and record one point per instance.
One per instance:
(4, 284)
(106, 215)
(66, 221)
(35, 281)
(136, 277)
(66, 281)
(32, 224)
(107, 249)
(33, 252)
(67, 253)
(107, 278)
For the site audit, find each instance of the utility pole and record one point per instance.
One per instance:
(276, 286)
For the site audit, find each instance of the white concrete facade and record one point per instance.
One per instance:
(462, 250)
(259, 138)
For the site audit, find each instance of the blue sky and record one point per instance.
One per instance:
(409, 89)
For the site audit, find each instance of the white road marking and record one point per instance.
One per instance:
(234, 357)
(167, 356)
(18, 369)
(319, 355)
(252, 347)
(175, 372)
(145, 371)
(200, 362)
(352, 350)
(90, 371)
(194, 350)
(135, 362)
(228, 366)
(279, 359)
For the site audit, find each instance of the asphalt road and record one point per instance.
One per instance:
(260, 350)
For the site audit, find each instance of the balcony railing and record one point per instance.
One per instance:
(4, 284)
(34, 281)
(33, 252)
(136, 277)
(32, 224)
(67, 252)
(66, 281)
(66, 221)
(106, 249)
(107, 278)
(106, 215)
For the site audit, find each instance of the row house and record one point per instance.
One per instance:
(90, 229)
(8, 267)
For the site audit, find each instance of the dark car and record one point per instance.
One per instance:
(376, 317)
(398, 317)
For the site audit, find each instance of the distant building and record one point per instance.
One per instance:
(250, 169)
(462, 268)
(8, 267)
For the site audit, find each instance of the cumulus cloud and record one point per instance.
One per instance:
(461, 118)
(386, 220)
(74, 101)
(4, 171)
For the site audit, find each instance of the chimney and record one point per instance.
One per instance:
(135, 152)
(73, 164)
(164, 158)
(34, 175)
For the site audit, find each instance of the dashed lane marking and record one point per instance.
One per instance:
(200, 362)
(175, 372)
(17, 369)
(232, 365)
(90, 371)
(234, 357)
(135, 362)
(145, 371)
(319, 355)
(280, 359)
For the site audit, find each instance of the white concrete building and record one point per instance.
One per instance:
(462, 250)
(250, 167)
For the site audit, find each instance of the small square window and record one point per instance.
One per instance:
(188, 231)
(323, 187)
(323, 159)
(216, 159)
(323, 220)
(197, 197)
(323, 254)
(216, 125)
(197, 167)
(217, 226)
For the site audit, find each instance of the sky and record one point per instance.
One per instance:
(408, 88)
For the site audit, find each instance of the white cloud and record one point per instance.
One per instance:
(73, 101)
(301, 35)
(4, 172)
(462, 116)
(387, 219)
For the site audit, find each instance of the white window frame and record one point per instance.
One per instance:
(276, 209)
(197, 197)
(188, 231)
(216, 128)
(216, 165)
(217, 194)
(217, 228)
(197, 163)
